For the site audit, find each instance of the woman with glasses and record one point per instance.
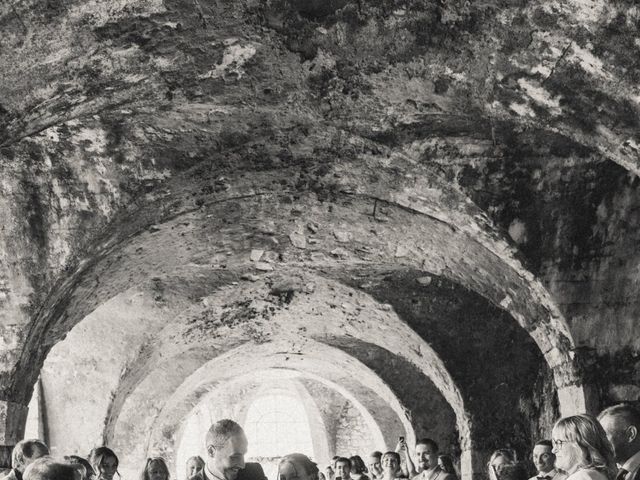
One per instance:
(582, 450)
(390, 466)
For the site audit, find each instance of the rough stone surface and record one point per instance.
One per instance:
(190, 179)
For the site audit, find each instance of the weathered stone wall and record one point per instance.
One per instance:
(469, 167)
(352, 435)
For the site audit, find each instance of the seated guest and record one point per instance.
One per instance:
(446, 465)
(194, 465)
(390, 466)
(47, 468)
(358, 468)
(498, 460)
(155, 469)
(25, 452)
(297, 466)
(343, 468)
(375, 465)
(104, 463)
(544, 461)
(582, 450)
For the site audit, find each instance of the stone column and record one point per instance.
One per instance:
(472, 464)
(13, 417)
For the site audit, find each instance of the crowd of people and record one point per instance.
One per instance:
(581, 447)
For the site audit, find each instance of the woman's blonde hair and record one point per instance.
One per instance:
(508, 454)
(588, 434)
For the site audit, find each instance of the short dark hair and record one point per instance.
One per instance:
(26, 449)
(310, 467)
(626, 410)
(77, 460)
(343, 460)
(429, 443)
(221, 431)
(376, 454)
(544, 443)
(46, 468)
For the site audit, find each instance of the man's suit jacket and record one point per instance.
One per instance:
(633, 475)
(251, 471)
(633, 467)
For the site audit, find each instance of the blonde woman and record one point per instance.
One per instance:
(582, 450)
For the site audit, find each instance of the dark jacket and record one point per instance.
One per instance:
(251, 471)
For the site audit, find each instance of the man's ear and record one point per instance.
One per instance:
(632, 433)
(211, 450)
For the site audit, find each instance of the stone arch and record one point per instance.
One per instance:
(440, 206)
(152, 239)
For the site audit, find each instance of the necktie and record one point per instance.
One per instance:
(622, 473)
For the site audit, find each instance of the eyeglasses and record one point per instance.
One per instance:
(557, 444)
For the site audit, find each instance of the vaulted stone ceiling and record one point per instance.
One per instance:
(466, 170)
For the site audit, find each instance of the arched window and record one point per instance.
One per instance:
(276, 425)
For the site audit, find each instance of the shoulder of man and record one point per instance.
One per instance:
(419, 476)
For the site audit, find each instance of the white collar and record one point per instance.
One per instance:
(632, 463)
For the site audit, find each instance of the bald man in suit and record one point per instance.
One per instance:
(621, 423)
